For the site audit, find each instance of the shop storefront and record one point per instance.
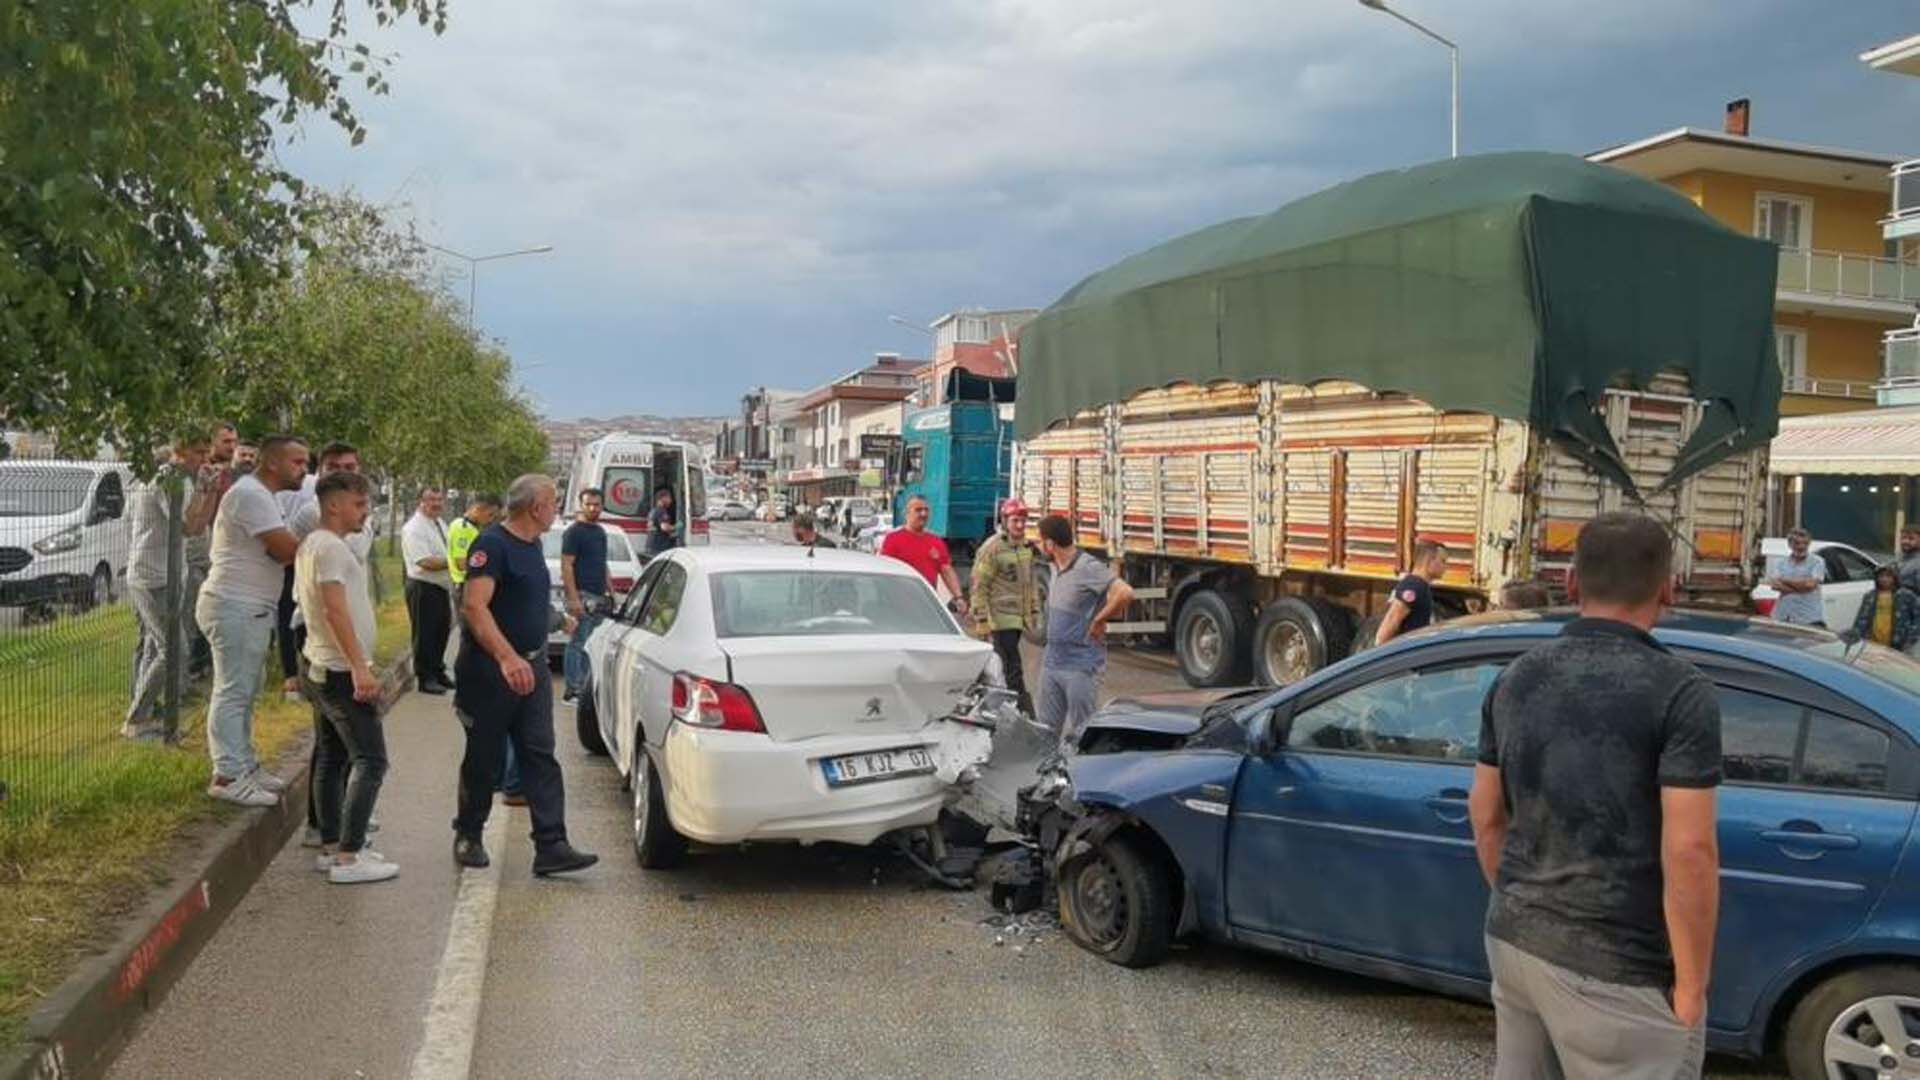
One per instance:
(1852, 477)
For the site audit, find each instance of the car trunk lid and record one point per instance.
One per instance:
(806, 687)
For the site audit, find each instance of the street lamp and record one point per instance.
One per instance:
(1381, 6)
(473, 266)
(911, 325)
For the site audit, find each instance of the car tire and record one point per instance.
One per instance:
(655, 843)
(98, 591)
(1116, 902)
(1212, 638)
(1295, 638)
(586, 721)
(1843, 1000)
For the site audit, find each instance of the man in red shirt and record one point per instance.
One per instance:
(925, 552)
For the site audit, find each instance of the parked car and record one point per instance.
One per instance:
(1327, 821)
(623, 569)
(776, 693)
(1849, 579)
(856, 514)
(732, 510)
(64, 531)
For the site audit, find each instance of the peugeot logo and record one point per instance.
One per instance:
(873, 709)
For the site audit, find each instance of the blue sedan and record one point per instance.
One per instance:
(1327, 821)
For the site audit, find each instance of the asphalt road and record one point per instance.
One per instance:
(767, 960)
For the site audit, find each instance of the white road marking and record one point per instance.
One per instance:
(453, 1013)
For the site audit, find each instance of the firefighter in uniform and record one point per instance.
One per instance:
(1006, 593)
(498, 695)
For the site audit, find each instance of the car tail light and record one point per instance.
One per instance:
(700, 527)
(1764, 605)
(621, 584)
(710, 704)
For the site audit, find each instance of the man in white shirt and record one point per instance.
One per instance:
(150, 572)
(1797, 578)
(423, 543)
(251, 551)
(330, 584)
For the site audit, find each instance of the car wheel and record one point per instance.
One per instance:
(1211, 638)
(586, 720)
(655, 843)
(99, 589)
(1295, 638)
(1840, 1029)
(1117, 903)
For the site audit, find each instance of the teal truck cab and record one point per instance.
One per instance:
(957, 456)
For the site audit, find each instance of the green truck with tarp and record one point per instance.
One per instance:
(1258, 420)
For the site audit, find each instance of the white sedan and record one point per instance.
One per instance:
(777, 693)
(1849, 579)
(623, 569)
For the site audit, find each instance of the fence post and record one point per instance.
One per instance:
(176, 645)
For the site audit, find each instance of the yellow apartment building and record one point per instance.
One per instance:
(1842, 284)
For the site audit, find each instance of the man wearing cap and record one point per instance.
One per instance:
(1006, 596)
(1412, 605)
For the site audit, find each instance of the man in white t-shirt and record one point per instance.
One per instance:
(251, 551)
(330, 585)
(423, 543)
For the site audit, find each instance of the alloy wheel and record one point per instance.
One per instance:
(1875, 1038)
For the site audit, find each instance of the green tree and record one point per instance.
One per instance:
(142, 209)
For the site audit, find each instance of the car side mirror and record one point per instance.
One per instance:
(1269, 730)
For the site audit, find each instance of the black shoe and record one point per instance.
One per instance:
(568, 696)
(469, 852)
(445, 681)
(562, 858)
(432, 688)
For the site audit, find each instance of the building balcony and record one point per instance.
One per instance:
(1833, 388)
(1900, 384)
(1905, 219)
(1861, 286)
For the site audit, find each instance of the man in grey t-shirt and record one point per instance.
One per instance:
(1081, 598)
(1593, 816)
(251, 551)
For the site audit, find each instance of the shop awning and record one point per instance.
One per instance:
(1869, 442)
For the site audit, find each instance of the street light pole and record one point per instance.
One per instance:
(473, 268)
(1381, 6)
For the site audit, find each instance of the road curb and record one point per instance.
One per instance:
(84, 1024)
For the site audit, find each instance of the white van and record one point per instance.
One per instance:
(64, 531)
(628, 469)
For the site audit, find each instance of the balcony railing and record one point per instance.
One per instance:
(1902, 348)
(1850, 277)
(1906, 191)
(1840, 388)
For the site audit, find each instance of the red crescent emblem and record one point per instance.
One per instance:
(476, 560)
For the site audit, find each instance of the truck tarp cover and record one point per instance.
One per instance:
(1521, 285)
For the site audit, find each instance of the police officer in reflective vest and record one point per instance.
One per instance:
(482, 508)
(508, 614)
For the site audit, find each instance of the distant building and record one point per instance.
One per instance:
(1842, 284)
(982, 342)
(822, 433)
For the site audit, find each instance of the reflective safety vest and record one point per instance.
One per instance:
(460, 537)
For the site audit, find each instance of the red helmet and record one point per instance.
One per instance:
(1012, 508)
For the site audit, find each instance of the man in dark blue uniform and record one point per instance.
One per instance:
(499, 693)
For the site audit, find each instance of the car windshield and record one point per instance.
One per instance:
(1876, 660)
(34, 492)
(804, 603)
(862, 506)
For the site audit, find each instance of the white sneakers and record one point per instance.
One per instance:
(367, 865)
(267, 780)
(246, 791)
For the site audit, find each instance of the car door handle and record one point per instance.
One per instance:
(1449, 805)
(1811, 838)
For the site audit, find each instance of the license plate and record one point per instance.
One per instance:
(878, 765)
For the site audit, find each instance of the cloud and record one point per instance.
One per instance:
(694, 157)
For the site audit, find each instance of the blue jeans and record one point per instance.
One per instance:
(574, 664)
(240, 633)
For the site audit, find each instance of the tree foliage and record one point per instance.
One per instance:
(360, 343)
(142, 209)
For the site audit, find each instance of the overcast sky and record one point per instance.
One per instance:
(741, 193)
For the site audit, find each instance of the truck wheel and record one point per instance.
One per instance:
(1294, 639)
(1211, 638)
(1841, 1026)
(1339, 624)
(1363, 635)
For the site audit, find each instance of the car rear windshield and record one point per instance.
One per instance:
(803, 603)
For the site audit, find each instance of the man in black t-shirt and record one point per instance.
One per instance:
(1411, 607)
(498, 692)
(663, 532)
(1593, 816)
(583, 573)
